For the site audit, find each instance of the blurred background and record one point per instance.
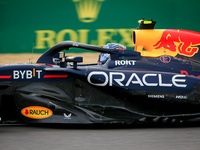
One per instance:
(36, 25)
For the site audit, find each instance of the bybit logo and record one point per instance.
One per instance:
(88, 10)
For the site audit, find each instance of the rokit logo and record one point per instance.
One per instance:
(121, 79)
(36, 112)
(124, 62)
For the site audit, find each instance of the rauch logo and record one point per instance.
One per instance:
(36, 112)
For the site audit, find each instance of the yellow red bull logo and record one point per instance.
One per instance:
(170, 42)
(181, 42)
(36, 112)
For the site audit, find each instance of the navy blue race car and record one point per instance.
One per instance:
(127, 88)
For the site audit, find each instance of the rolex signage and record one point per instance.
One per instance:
(87, 12)
(37, 25)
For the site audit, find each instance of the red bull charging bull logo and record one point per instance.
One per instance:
(181, 42)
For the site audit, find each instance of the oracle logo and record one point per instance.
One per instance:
(121, 79)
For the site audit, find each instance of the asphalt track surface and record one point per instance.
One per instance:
(101, 137)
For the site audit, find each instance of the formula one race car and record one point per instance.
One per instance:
(158, 82)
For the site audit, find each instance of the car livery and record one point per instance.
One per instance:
(131, 86)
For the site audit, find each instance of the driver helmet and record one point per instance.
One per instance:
(103, 57)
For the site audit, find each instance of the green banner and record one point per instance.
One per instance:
(28, 25)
